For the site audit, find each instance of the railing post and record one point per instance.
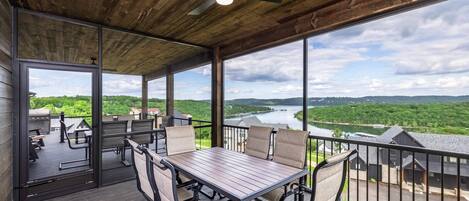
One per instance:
(189, 120)
(156, 121)
(62, 119)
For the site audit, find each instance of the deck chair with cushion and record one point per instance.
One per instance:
(329, 177)
(290, 149)
(114, 143)
(258, 142)
(163, 181)
(142, 125)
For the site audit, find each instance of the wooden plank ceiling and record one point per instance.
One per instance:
(127, 53)
(244, 26)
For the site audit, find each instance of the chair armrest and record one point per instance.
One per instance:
(36, 130)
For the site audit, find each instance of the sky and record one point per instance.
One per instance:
(420, 52)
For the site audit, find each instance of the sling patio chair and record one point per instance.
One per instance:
(139, 159)
(163, 179)
(80, 162)
(142, 125)
(290, 149)
(181, 139)
(329, 177)
(258, 141)
(114, 143)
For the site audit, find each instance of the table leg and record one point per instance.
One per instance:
(301, 196)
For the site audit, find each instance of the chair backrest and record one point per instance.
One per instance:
(258, 141)
(290, 147)
(162, 177)
(329, 177)
(139, 159)
(110, 128)
(142, 125)
(180, 139)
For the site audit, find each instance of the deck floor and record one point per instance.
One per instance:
(122, 191)
(55, 152)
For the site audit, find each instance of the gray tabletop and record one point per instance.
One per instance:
(236, 175)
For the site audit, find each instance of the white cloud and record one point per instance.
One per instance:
(279, 64)
(122, 85)
(288, 89)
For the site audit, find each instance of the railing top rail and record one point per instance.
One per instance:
(393, 146)
(193, 120)
(132, 133)
(382, 145)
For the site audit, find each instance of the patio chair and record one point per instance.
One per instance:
(180, 139)
(142, 125)
(329, 177)
(139, 159)
(114, 143)
(290, 149)
(73, 146)
(258, 142)
(163, 178)
(32, 150)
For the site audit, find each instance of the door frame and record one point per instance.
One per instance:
(76, 181)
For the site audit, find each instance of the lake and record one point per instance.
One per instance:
(286, 115)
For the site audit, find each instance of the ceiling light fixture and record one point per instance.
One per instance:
(224, 2)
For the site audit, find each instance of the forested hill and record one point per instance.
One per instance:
(121, 105)
(327, 101)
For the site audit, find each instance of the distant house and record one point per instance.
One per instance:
(378, 160)
(254, 121)
(151, 111)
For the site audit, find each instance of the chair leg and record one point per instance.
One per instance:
(123, 160)
(86, 159)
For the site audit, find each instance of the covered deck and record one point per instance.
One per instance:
(158, 39)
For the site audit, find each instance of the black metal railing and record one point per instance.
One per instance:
(383, 171)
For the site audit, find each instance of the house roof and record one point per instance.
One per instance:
(71, 123)
(372, 154)
(389, 135)
(444, 142)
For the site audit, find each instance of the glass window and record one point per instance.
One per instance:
(265, 88)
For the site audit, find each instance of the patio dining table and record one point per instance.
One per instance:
(237, 176)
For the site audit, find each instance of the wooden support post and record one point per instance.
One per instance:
(169, 94)
(144, 113)
(217, 99)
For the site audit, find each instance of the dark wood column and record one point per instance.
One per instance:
(217, 99)
(169, 93)
(144, 98)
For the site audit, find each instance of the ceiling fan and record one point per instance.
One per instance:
(208, 3)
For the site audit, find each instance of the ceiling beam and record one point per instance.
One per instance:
(341, 14)
(187, 64)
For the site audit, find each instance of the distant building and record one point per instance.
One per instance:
(151, 111)
(378, 160)
(254, 121)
